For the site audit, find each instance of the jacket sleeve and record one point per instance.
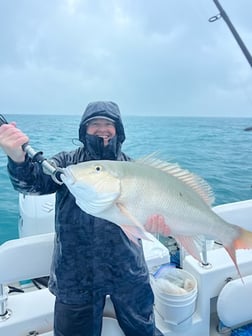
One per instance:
(28, 177)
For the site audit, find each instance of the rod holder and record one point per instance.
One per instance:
(4, 312)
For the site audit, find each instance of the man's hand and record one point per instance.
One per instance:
(11, 141)
(156, 224)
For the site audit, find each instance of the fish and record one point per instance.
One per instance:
(128, 193)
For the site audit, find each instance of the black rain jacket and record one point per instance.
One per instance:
(90, 254)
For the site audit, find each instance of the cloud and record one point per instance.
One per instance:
(160, 57)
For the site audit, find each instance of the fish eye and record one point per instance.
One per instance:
(98, 168)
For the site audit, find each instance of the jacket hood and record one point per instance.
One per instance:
(106, 109)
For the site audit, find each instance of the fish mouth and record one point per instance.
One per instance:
(67, 177)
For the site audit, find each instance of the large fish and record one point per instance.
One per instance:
(129, 193)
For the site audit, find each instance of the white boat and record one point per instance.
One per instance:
(221, 301)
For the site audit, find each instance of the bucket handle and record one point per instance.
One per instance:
(177, 324)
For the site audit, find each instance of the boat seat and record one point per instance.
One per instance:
(30, 311)
(26, 258)
(234, 302)
(23, 259)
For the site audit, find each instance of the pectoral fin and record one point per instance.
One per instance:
(156, 224)
(135, 231)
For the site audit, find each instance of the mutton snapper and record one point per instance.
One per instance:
(128, 193)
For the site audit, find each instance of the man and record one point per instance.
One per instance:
(92, 257)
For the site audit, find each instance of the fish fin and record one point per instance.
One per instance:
(231, 252)
(244, 241)
(133, 233)
(198, 184)
(190, 245)
(126, 213)
(156, 224)
(137, 230)
(130, 234)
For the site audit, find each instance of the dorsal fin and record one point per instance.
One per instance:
(194, 181)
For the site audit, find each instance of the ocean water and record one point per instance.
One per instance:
(218, 149)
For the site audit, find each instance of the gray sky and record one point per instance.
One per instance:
(152, 57)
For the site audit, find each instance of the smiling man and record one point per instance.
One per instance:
(92, 257)
(102, 127)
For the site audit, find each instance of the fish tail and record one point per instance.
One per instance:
(243, 241)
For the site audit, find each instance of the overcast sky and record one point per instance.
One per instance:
(152, 57)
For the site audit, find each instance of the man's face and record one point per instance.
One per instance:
(102, 128)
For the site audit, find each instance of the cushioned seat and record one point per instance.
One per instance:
(234, 302)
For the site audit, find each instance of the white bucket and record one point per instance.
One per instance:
(110, 327)
(176, 309)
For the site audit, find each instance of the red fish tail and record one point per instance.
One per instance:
(244, 241)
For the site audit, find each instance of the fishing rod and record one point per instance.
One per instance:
(237, 37)
(37, 156)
